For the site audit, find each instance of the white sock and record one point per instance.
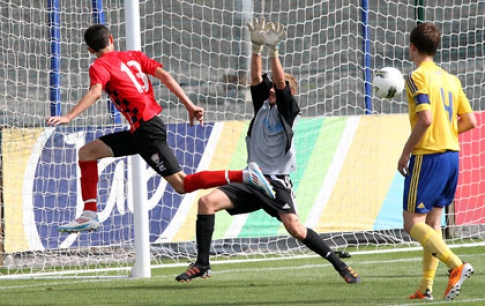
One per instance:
(245, 176)
(89, 214)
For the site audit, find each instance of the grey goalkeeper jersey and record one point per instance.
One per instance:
(266, 146)
(270, 135)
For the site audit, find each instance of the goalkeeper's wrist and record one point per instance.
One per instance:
(273, 53)
(257, 48)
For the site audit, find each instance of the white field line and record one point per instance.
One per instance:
(79, 273)
(87, 279)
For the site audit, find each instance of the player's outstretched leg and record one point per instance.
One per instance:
(194, 270)
(81, 224)
(257, 179)
(349, 275)
(457, 276)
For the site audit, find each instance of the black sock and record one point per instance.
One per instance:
(317, 245)
(204, 228)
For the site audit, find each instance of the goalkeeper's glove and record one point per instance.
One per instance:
(257, 30)
(273, 38)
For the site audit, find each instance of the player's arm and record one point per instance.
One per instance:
(278, 73)
(425, 119)
(467, 122)
(256, 69)
(87, 100)
(193, 110)
(257, 30)
(273, 37)
(467, 119)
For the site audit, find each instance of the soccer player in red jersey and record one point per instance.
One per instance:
(124, 76)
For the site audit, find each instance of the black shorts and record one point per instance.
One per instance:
(247, 198)
(150, 141)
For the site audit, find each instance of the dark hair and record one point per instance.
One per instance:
(426, 37)
(97, 37)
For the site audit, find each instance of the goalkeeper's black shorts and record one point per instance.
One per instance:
(247, 198)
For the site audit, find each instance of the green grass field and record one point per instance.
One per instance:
(387, 279)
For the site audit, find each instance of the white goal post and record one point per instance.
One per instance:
(347, 141)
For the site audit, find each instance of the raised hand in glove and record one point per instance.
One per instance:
(258, 29)
(273, 37)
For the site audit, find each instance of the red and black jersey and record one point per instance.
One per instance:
(124, 76)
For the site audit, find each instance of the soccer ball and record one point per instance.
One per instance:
(388, 82)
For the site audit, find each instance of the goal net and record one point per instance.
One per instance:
(348, 142)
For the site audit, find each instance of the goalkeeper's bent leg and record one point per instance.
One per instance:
(204, 228)
(317, 245)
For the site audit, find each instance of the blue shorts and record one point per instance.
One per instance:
(431, 181)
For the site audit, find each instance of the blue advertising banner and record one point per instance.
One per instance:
(46, 192)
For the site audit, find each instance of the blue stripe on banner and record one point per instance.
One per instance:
(390, 215)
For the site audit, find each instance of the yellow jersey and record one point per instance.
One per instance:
(429, 87)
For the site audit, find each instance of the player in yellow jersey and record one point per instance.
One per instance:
(438, 112)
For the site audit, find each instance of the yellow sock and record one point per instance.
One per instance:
(430, 265)
(434, 244)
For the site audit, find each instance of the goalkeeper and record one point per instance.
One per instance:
(269, 143)
(124, 76)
